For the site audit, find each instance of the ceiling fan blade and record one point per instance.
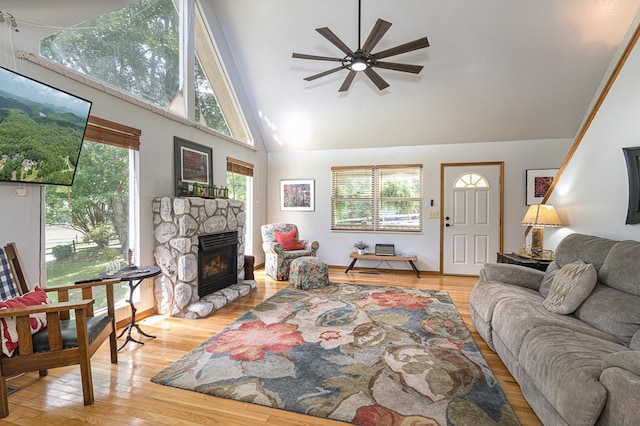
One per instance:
(377, 32)
(403, 48)
(347, 81)
(329, 35)
(314, 57)
(414, 69)
(322, 74)
(375, 77)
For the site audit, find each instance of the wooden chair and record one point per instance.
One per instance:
(64, 341)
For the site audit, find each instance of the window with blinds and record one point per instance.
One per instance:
(239, 174)
(377, 198)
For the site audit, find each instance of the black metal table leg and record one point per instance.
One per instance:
(135, 278)
(353, 262)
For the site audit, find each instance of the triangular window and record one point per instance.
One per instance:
(136, 49)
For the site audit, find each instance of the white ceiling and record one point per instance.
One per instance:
(496, 70)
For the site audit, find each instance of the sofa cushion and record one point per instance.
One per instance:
(69, 333)
(570, 287)
(561, 362)
(612, 311)
(635, 341)
(484, 297)
(621, 268)
(514, 318)
(587, 248)
(547, 280)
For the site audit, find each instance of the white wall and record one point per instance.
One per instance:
(336, 246)
(591, 196)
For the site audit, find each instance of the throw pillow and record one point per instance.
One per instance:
(572, 284)
(289, 240)
(35, 297)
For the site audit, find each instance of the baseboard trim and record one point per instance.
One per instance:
(140, 315)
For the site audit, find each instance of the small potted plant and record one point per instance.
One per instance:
(361, 246)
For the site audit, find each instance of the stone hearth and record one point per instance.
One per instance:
(177, 224)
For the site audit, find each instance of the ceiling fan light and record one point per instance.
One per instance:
(359, 64)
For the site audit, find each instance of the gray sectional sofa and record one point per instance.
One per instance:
(580, 368)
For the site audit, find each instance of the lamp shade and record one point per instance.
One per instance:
(541, 215)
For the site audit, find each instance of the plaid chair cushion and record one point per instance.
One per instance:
(7, 286)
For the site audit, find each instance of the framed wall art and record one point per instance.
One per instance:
(297, 195)
(538, 183)
(632, 157)
(193, 164)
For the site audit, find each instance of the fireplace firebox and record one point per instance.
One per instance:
(217, 261)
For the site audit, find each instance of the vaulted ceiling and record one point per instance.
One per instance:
(496, 70)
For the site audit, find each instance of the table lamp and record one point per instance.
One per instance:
(538, 216)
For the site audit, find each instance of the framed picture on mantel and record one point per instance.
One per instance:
(193, 164)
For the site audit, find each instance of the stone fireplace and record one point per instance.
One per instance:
(196, 240)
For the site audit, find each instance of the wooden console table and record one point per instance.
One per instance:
(370, 256)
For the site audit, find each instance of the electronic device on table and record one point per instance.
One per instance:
(385, 250)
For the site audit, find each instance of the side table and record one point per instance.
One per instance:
(516, 259)
(134, 277)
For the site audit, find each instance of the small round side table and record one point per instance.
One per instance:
(134, 276)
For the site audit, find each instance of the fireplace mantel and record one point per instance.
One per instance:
(178, 222)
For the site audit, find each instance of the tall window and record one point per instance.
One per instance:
(137, 50)
(92, 223)
(377, 198)
(240, 184)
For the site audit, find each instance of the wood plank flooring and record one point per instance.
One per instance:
(125, 396)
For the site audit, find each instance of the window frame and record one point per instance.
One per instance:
(235, 168)
(102, 131)
(195, 28)
(372, 196)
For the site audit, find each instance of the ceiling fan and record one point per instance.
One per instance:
(362, 59)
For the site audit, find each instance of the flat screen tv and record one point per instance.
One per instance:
(41, 131)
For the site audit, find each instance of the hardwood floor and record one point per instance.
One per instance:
(125, 396)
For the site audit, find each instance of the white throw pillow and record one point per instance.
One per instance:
(572, 284)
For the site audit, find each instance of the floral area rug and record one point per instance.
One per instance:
(367, 355)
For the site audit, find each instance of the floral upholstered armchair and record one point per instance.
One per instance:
(281, 245)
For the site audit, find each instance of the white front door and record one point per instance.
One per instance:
(471, 232)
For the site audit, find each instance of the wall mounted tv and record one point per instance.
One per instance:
(41, 131)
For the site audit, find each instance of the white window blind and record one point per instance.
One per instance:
(377, 198)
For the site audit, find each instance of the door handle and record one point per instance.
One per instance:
(447, 225)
